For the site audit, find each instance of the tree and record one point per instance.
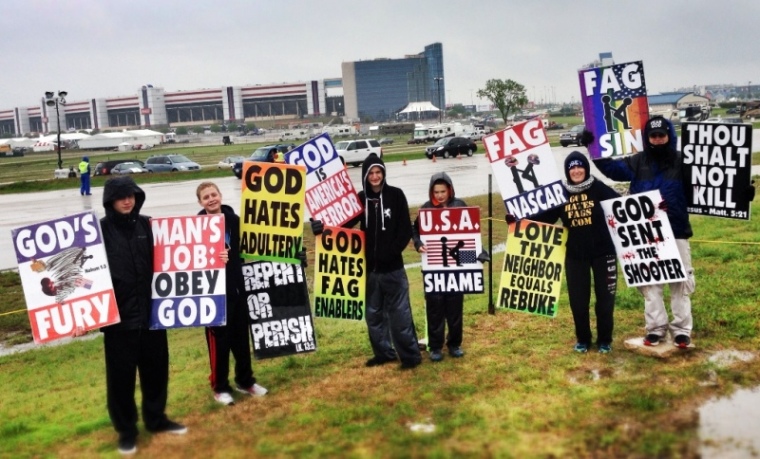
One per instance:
(182, 130)
(198, 129)
(457, 111)
(215, 128)
(507, 95)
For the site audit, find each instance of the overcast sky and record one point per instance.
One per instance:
(108, 48)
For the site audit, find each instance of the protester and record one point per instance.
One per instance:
(660, 167)
(130, 346)
(388, 230)
(84, 176)
(234, 336)
(589, 251)
(442, 307)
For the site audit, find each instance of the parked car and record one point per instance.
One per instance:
(104, 167)
(128, 168)
(572, 136)
(385, 141)
(171, 163)
(229, 162)
(448, 147)
(355, 151)
(265, 154)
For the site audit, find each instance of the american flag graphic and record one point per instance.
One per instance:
(84, 283)
(467, 253)
(625, 91)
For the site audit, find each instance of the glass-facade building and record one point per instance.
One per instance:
(377, 90)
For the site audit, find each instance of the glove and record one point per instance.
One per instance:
(302, 256)
(587, 138)
(749, 193)
(317, 226)
(484, 256)
(663, 206)
(510, 219)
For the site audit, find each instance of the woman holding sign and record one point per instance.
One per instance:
(589, 251)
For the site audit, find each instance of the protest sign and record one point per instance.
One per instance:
(340, 275)
(64, 274)
(452, 243)
(189, 282)
(615, 108)
(330, 194)
(278, 308)
(531, 277)
(644, 242)
(271, 211)
(524, 167)
(718, 159)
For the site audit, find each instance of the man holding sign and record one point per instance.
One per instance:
(660, 167)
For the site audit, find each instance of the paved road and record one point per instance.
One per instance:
(470, 176)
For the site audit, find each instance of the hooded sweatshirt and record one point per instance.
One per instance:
(453, 201)
(128, 240)
(234, 267)
(655, 168)
(385, 222)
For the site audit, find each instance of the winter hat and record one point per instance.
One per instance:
(576, 159)
(656, 125)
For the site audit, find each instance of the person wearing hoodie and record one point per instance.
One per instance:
(84, 177)
(589, 252)
(234, 336)
(441, 308)
(387, 230)
(660, 167)
(130, 346)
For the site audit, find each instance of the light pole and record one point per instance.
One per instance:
(55, 101)
(440, 108)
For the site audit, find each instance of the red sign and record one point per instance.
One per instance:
(145, 111)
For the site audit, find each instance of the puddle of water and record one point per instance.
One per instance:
(727, 426)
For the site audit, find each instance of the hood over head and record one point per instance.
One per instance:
(121, 187)
(369, 162)
(85, 159)
(440, 177)
(576, 158)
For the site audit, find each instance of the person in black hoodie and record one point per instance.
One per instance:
(589, 251)
(131, 348)
(444, 307)
(388, 230)
(234, 336)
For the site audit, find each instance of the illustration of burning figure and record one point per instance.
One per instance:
(65, 272)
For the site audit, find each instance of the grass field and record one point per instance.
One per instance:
(519, 392)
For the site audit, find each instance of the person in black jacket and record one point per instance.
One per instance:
(589, 251)
(234, 336)
(388, 230)
(130, 346)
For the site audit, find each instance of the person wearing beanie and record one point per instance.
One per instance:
(589, 252)
(130, 346)
(84, 176)
(660, 167)
(387, 231)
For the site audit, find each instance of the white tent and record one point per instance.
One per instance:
(416, 107)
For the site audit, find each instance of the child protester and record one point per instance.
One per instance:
(589, 251)
(444, 307)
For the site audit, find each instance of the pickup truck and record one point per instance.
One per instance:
(573, 136)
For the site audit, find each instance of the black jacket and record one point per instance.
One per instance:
(453, 201)
(128, 240)
(385, 222)
(234, 268)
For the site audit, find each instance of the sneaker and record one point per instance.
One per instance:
(581, 348)
(258, 391)
(651, 340)
(375, 361)
(436, 355)
(171, 427)
(127, 446)
(456, 352)
(409, 365)
(224, 398)
(682, 341)
(605, 348)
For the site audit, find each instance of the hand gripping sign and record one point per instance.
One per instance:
(64, 273)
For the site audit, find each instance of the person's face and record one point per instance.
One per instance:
(124, 205)
(658, 138)
(211, 200)
(577, 174)
(441, 192)
(375, 177)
